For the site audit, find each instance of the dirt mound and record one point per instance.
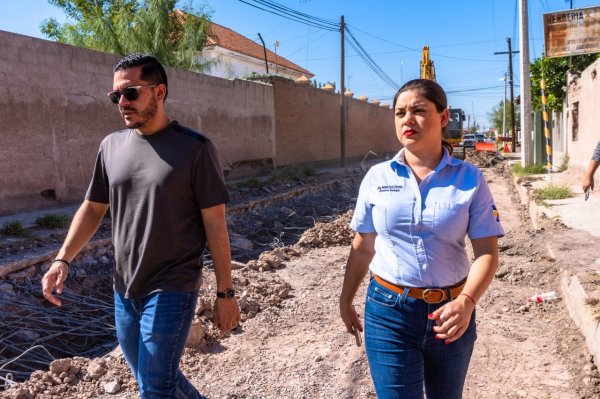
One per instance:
(330, 234)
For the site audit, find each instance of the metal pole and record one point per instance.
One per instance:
(342, 97)
(527, 144)
(512, 98)
(265, 50)
(546, 128)
(504, 108)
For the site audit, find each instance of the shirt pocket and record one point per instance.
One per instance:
(451, 220)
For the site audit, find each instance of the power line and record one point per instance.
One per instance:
(370, 62)
(278, 10)
(272, 4)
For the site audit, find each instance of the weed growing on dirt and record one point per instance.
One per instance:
(554, 192)
(564, 164)
(13, 228)
(536, 169)
(53, 221)
(594, 305)
(292, 172)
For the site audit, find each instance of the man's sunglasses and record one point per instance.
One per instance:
(131, 93)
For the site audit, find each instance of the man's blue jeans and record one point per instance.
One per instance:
(404, 356)
(152, 332)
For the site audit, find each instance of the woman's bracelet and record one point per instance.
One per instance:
(470, 297)
(61, 260)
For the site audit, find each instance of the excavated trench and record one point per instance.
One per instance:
(34, 332)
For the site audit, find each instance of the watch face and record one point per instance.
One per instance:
(228, 293)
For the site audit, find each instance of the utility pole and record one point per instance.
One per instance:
(265, 50)
(342, 97)
(526, 127)
(504, 107)
(512, 95)
(276, 44)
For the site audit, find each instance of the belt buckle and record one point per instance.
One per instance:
(430, 294)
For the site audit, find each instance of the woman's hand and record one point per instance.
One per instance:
(361, 253)
(452, 319)
(350, 317)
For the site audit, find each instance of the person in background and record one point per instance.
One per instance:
(588, 178)
(411, 218)
(167, 196)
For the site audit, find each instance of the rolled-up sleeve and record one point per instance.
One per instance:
(484, 217)
(362, 220)
(596, 154)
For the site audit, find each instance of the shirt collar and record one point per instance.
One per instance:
(399, 160)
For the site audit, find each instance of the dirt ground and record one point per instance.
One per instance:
(295, 346)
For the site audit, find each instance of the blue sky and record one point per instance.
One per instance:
(462, 36)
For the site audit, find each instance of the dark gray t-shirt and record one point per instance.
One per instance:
(156, 186)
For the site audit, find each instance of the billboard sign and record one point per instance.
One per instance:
(572, 32)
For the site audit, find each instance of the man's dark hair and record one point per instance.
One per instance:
(152, 70)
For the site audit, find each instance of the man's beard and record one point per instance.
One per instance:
(146, 115)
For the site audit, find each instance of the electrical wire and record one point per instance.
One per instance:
(354, 43)
(297, 17)
(272, 4)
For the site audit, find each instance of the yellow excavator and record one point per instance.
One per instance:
(453, 131)
(427, 68)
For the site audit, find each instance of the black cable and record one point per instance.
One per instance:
(369, 61)
(296, 19)
(285, 9)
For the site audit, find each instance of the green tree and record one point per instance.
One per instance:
(175, 37)
(496, 117)
(554, 72)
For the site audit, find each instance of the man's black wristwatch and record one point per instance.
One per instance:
(227, 294)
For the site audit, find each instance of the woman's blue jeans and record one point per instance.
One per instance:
(152, 332)
(404, 356)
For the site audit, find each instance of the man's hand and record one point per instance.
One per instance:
(587, 183)
(54, 280)
(226, 314)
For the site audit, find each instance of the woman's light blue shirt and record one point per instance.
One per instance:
(421, 228)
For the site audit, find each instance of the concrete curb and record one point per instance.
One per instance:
(570, 286)
(13, 265)
(575, 299)
(526, 200)
(29, 260)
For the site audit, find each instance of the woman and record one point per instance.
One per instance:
(411, 218)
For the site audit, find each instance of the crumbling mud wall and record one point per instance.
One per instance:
(307, 124)
(54, 112)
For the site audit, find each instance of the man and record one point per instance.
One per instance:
(167, 199)
(588, 178)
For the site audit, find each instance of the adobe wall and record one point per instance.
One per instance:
(54, 113)
(308, 126)
(586, 91)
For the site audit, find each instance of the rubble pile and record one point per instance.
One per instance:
(484, 159)
(337, 232)
(78, 378)
(288, 229)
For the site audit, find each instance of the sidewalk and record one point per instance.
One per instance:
(578, 214)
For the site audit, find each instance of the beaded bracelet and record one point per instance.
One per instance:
(61, 260)
(470, 297)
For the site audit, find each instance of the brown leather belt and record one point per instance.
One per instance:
(429, 295)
